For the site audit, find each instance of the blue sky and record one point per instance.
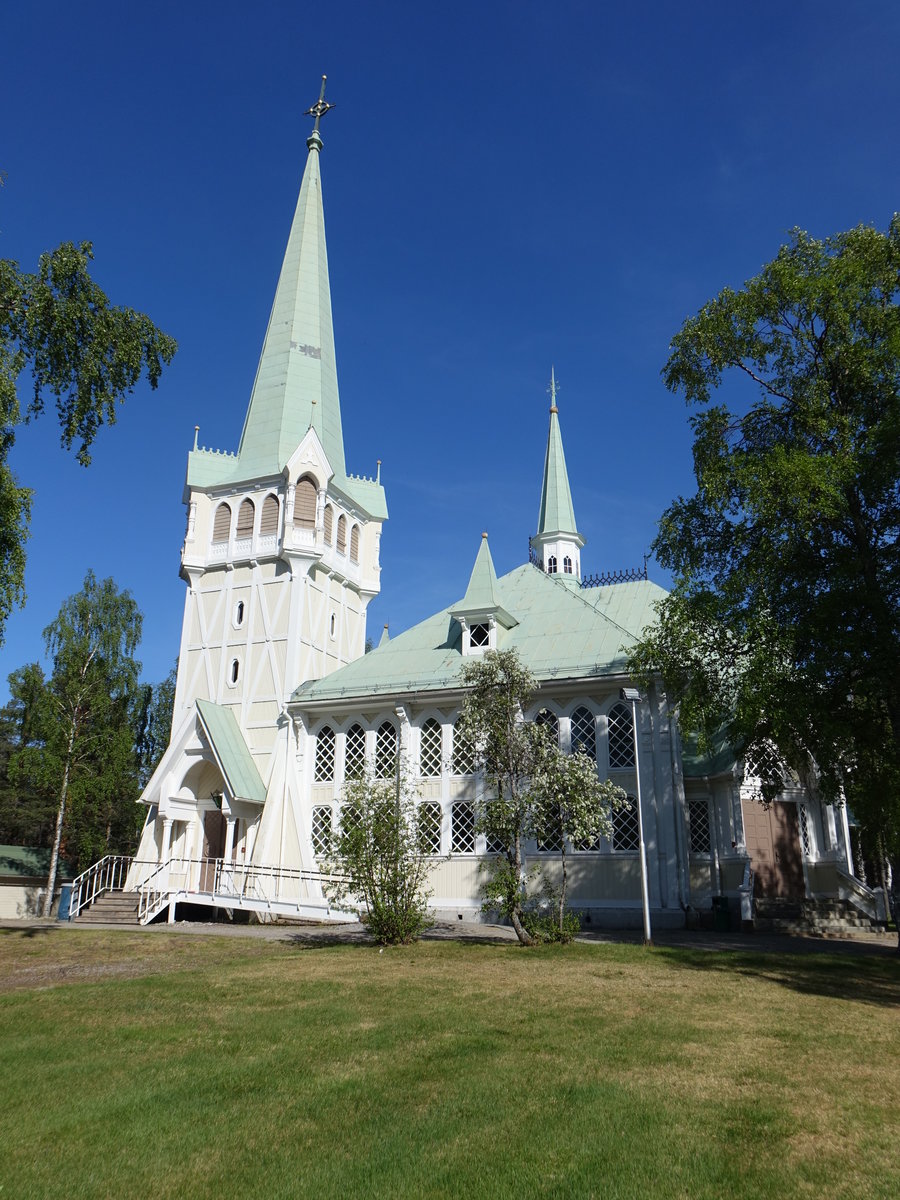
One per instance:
(507, 186)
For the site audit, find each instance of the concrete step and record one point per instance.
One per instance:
(825, 917)
(112, 908)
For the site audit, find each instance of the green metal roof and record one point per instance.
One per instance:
(557, 514)
(561, 634)
(231, 752)
(30, 862)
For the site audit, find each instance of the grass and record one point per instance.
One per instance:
(164, 1065)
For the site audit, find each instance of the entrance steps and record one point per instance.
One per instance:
(826, 918)
(111, 908)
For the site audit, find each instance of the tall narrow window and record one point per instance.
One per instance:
(268, 522)
(626, 830)
(355, 753)
(551, 565)
(583, 734)
(567, 566)
(463, 754)
(321, 830)
(222, 524)
(305, 504)
(325, 755)
(462, 828)
(385, 750)
(239, 614)
(430, 749)
(235, 670)
(428, 827)
(621, 737)
(551, 721)
(354, 544)
(698, 827)
(342, 534)
(245, 519)
(329, 524)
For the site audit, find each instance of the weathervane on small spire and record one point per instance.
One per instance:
(552, 390)
(319, 109)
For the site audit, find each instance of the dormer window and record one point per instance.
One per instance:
(480, 636)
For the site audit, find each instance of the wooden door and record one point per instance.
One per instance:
(213, 847)
(772, 836)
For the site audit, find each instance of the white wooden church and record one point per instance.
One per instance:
(277, 702)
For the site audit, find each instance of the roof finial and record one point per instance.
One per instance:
(318, 110)
(196, 435)
(552, 391)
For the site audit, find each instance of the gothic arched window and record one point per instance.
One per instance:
(551, 720)
(325, 755)
(567, 565)
(621, 737)
(305, 504)
(463, 754)
(355, 753)
(551, 565)
(354, 544)
(329, 524)
(430, 749)
(342, 534)
(268, 522)
(385, 750)
(222, 524)
(246, 513)
(583, 732)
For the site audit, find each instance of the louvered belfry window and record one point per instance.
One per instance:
(354, 544)
(305, 504)
(268, 522)
(342, 535)
(245, 520)
(222, 523)
(329, 524)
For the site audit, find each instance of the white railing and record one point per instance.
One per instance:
(107, 875)
(745, 893)
(871, 901)
(234, 885)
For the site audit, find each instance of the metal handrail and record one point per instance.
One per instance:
(107, 875)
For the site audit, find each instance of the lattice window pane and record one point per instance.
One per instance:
(462, 828)
(805, 843)
(584, 736)
(626, 832)
(552, 840)
(429, 828)
(764, 763)
(463, 755)
(587, 844)
(480, 636)
(321, 830)
(430, 749)
(699, 827)
(325, 755)
(551, 721)
(355, 752)
(621, 737)
(386, 750)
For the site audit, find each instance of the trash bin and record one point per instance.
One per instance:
(65, 901)
(721, 915)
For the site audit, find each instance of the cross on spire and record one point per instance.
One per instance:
(553, 390)
(320, 108)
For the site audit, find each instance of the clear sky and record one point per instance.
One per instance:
(508, 185)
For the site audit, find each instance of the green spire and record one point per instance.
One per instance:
(557, 514)
(482, 598)
(296, 381)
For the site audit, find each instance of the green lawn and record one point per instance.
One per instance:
(164, 1065)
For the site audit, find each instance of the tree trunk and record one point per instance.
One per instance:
(515, 915)
(60, 817)
(562, 893)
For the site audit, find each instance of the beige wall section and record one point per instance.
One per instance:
(601, 878)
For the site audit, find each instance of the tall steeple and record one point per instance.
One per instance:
(296, 381)
(557, 541)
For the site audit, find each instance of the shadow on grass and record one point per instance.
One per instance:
(29, 931)
(867, 980)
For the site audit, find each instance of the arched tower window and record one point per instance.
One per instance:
(222, 524)
(583, 732)
(329, 524)
(430, 749)
(567, 565)
(551, 565)
(621, 737)
(246, 514)
(386, 750)
(305, 504)
(342, 534)
(268, 522)
(325, 755)
(354, 544)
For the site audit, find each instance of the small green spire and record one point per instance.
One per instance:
(557, 514)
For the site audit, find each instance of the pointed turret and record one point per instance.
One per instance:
(557, 541)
